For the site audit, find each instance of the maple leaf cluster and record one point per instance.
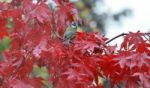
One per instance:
(38, 58)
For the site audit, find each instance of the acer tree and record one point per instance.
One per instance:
(33, 54)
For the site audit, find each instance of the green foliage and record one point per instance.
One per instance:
(5, 43)
(40, 72)
(10, 24)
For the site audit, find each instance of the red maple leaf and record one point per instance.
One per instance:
(144, 78)
(40, 11)
(132, 41)
(3, 28)
(87, 42)
(3, 32)
(132, 83)
(108, 66)
(131, 59)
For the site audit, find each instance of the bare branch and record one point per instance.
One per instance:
(123, 34)
(116, 37)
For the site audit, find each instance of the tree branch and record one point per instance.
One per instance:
(116, 37)
(120, 36)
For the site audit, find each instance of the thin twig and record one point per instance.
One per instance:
(147, 33)
(122, 35)
(116, 37)
(146, 38)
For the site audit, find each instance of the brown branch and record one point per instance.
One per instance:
(107, 42)
(116, 37)
(147, 34)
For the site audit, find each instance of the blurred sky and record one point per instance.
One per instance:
(139, 20)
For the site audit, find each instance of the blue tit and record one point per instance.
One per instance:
(70, 32)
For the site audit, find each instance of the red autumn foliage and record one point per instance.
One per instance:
(88, 60)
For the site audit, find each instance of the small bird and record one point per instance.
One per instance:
(70, 33)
